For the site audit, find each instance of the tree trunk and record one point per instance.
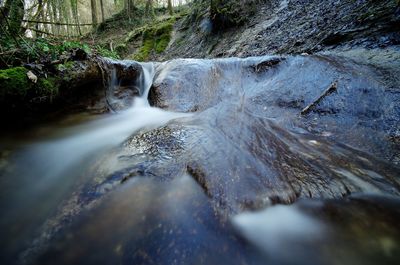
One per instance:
(129, 7)
(67, 16)
(40, 14)
(53, 17)
(149, 11)
(75, 14)
(170, 10)
(47, 15)
(16, 15)
(94, 12)
(5, 11)
(102, 10)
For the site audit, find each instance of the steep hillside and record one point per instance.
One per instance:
(290, 26)
(252, 27)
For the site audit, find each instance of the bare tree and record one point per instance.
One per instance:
(129, 7)
(93, 7)
(5, 10)
(170, 10)
(75, 14)
(15, 16)
(149, 8)
(102, 10)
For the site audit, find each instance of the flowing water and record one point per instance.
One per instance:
(199, 184)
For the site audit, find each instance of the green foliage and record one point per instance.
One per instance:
(135, 33)
(106, 52)
(68, 45)
(65, 66)
(30, 50)
(121, 48)
(54, 49)
(122, 20)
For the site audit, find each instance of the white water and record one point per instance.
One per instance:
(47, 170)
(104, 133)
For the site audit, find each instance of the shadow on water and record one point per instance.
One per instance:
(207, 180)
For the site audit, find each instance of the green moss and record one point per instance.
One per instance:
(145, 50)
(46, 87)
(14, 82)
(15, 85)
(162, 43)
(163, 36)
(155, 38)
(165, 27)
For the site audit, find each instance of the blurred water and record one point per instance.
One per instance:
(149, 186)
(43, 173)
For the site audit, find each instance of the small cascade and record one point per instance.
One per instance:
(128, 81)
(133, 114)
(56, 165)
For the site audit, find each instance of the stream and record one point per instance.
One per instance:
(212, 162)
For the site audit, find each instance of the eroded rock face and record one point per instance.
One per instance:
(247, 144)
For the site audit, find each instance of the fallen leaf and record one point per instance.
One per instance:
(32, 76)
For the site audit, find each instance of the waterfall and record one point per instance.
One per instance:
(52, 167)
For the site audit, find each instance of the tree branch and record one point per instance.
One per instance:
(56, 23)
(327, 91)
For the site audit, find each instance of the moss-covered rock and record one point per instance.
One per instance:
(14, 82)
(163, 36)
(155, 39)
(47, 87)
(15, 86)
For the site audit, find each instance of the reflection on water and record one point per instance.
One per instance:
(150, 222)
(277, 229)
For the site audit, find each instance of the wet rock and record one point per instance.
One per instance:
(73, 85)
(248, 146)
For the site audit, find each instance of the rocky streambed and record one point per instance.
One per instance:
(273, 159)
